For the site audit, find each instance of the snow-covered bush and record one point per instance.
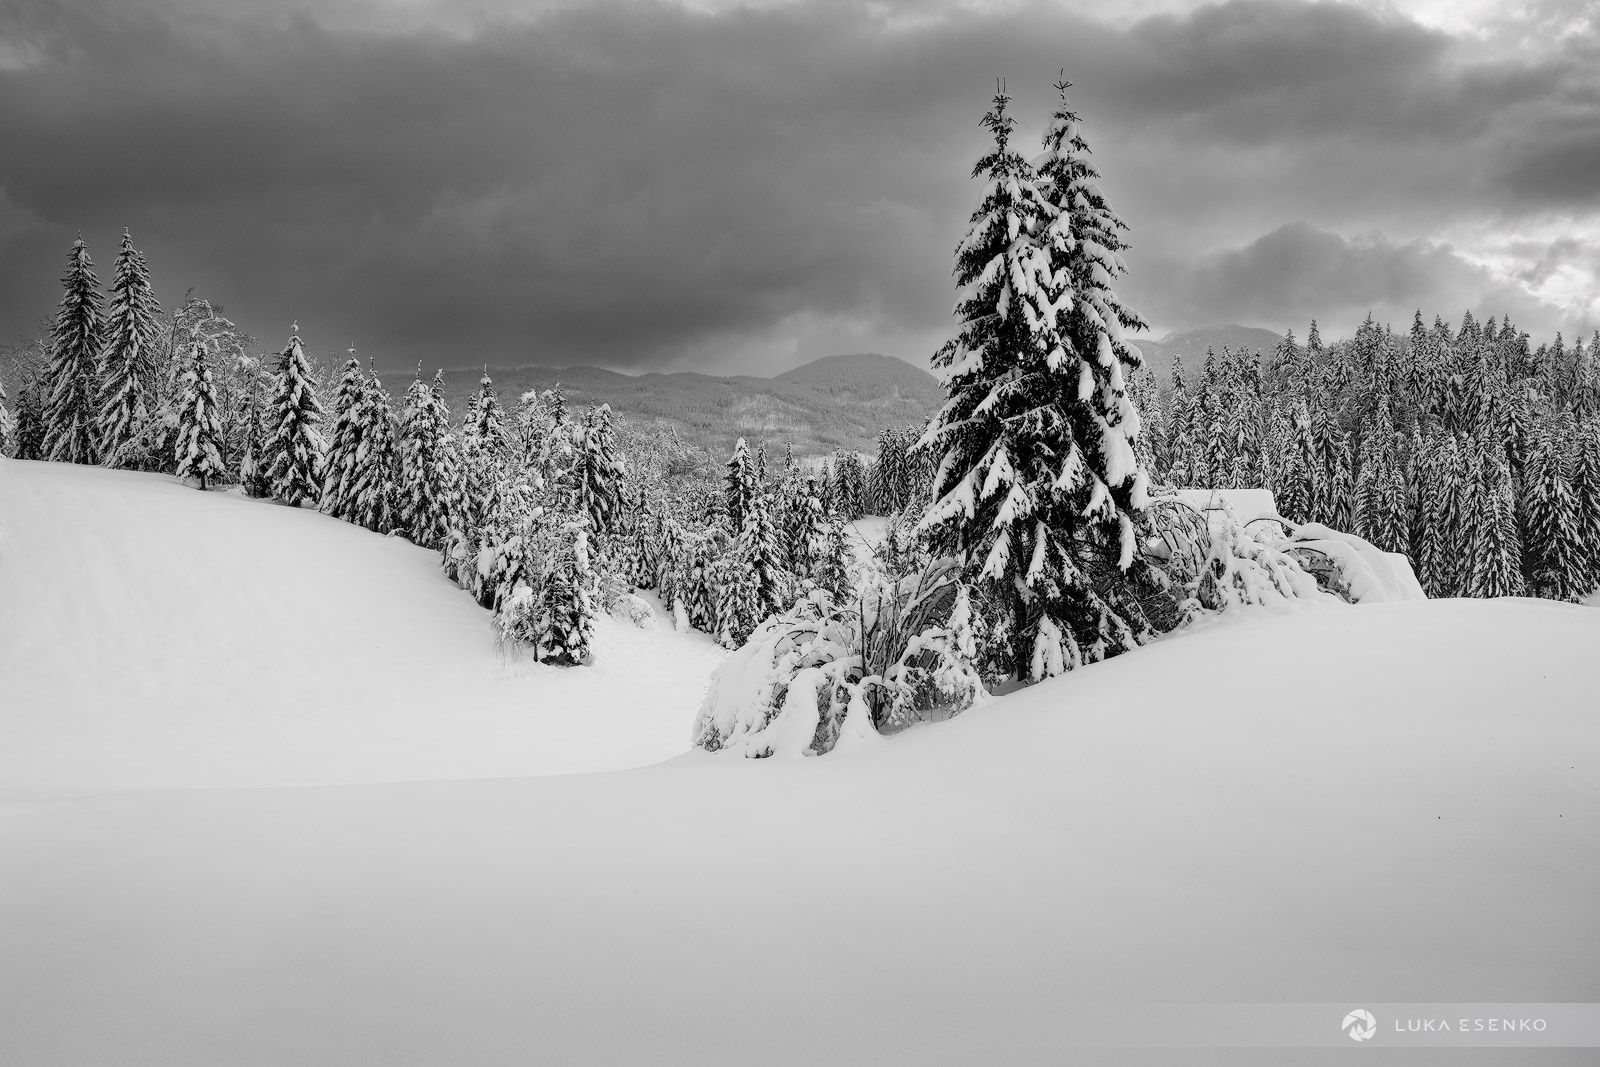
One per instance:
(1216, 562)
(824, 673)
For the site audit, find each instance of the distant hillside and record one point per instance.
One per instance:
(1192, 345)
(831, 403)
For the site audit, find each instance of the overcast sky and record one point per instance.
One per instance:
(744, 187)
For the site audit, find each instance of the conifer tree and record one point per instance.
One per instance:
(1295, 484)
(375, 484)
(1551, 530)
(1495, 563)
(71, 383)
(1381, 506)
(427, 465)
(1183, 443)
(253, 471)
(127, 362)
(739, 486)
(293, 450)
(595, 477)
(8, 425)
(1038, 486)
(28, 427)
(1586, 499)
(199, 427)
(849, 485)
(344, 444)
(567, 601)
(485, 428)
(752, 582)
(833, 566)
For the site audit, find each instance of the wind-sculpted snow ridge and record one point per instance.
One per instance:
(152, 635)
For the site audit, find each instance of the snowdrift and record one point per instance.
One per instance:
(154, 635)
(1382, 803)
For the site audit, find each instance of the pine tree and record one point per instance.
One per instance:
(595, 477)
(1381, 509)
(376, 478)
(427, 465)
(293, 451)
(71, 385)
(199, 427)
(1038, 486)
(485, 428)
(1551, 528)
(1586, 498)
(753, 584)
(1183, 464)
(833, 567)
(128, 362)
(1495, 563)
(567, 607)
(8, 425)
(1295, 484)
(739, 486)
(28, 428)
(253, 472)
(344, 445)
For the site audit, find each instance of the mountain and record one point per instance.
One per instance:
(830, 403)
(1192, 345)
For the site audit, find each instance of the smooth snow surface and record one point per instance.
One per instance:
(1391, 802)
(151, 634)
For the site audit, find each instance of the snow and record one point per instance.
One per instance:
(1371, 574)
(1247, 504)
(1390, 802)
(153, 635)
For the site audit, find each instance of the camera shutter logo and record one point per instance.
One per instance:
(1359, 1025)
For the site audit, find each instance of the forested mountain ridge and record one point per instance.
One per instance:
(836, 402)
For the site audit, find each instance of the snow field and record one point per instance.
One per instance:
(1391, 802)
(152, 635)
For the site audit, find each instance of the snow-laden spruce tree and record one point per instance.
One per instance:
(344, 444)
(374, 486)
(428, 466)
(199, 441)
(71, 381)
(128, 360)
(253, 472)
(1493, 569)
(1038, 488)
(1586, 496)
(28, 425)
(292, 453)
(1551, 530)
(753, 583)
(485, 427)
(8, 424)
(738, 485)
(594, 478)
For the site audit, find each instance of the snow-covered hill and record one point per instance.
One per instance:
(154, 635)
(1382, 803)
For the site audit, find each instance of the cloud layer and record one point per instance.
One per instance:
(645, 184)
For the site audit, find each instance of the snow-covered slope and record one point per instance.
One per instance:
(151, 634)
(1394, 802)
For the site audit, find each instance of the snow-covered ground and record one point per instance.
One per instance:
(154, 635)
(1396, 802)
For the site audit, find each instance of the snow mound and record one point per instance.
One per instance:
(1368, 574)
(153, 635)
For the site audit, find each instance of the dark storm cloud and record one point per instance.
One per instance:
(1298, 272)
(636, 183)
